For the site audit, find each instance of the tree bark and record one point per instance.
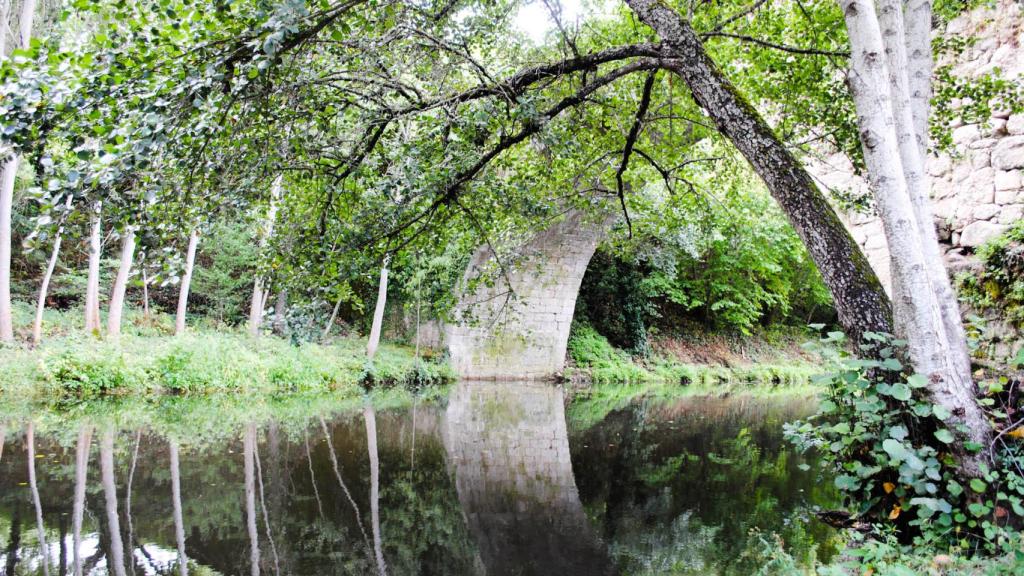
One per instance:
(280, 308)
(887, 139)
(860, 300)
(370, 417)
(124, 270)
(145, 294)
(179, 524)
(186, 283)
(256, 305)
(10, 170)
(110, 499)
(249, 450)
(30, 444)
(78, 507)
(92, 288)
(334, 316)
(378, 310)
(44, 288)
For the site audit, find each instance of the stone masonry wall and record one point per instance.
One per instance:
(978, 189)
(523, 337)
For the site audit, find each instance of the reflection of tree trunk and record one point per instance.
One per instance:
(263, 507)
(14, 541)
(78, 509)
(62, 526)
(312, 475)
(344, 488)
(371, 445)
(249, 450)
(128, 502)
(179, 525)
(30, 441)
(110, 496)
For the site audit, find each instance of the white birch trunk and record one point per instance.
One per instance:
(78, 507)
(918, 312)
(179, 524)
(908, 112)
(124, 269)
(44, 288)
(186, 283)
(92, 288)
(110, 499)
(30, 443)
(10, 170)
(145, 294)
(378, 312)
(257, 303)
(249, 455)
(334, 316)
(3, 438)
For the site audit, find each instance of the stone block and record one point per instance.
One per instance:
(977, 233)
(1009, 153)
(985, 211)
(983, 144)
(945, 208)
(966, 134)
(1011, 213)
(942, 188)
(1015, 125)
(981, 158)
(1007, 180)
(938, 165)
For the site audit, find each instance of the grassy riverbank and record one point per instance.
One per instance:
(147, 360)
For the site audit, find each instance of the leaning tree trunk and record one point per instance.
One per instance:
(378, 310)
(44, 288)
(886, 139)
(92, 287)
(258, 296)
(860, 300)
(124, 270)
(186, 283)
(10, 170)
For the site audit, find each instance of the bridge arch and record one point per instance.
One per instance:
(522, 333)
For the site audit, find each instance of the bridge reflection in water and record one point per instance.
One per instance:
(508, 449)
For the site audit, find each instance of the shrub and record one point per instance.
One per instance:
(888, 447)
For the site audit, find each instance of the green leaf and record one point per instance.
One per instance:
(901, 391)
(978, 485)
(940, 412)
(895, 449)
(944, 435)
(917, 381)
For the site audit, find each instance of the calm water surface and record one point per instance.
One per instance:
(495, 480)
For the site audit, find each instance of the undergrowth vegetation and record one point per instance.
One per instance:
(1000, 284)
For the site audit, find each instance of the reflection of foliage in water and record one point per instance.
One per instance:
(716, 477)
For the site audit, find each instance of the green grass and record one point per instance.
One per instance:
(71, 366)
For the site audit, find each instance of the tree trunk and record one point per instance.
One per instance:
(92, 288)
(378, 310)
(124, 270)
(887, 139)
(145, 294)
(280, 308)
(370, 417)
(249, 450)
(78, 508)
(3, 438)
(10, 170)
(110, 498)
(179, 524)
(30, 444)
(256, 305)
(44, 288)
(860, 300)
(334, 316)
(186, 283)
